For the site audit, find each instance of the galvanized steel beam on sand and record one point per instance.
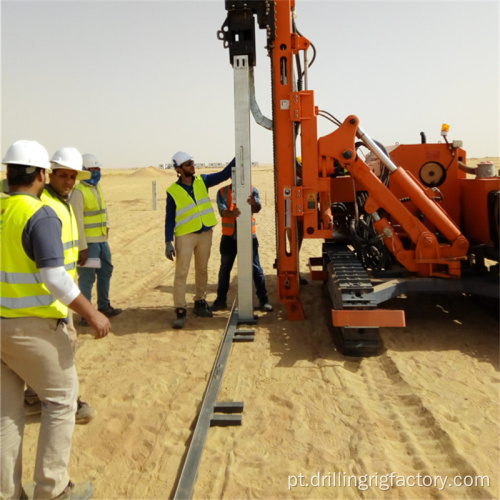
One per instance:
(213, 413)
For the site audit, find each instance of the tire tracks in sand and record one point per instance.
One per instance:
(396, 432)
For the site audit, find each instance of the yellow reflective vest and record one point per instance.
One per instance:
(94, 214)
(22, 292)
(69, 229)
(191, 216)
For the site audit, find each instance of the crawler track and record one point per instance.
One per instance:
(348, 285)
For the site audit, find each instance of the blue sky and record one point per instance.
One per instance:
(135, 81)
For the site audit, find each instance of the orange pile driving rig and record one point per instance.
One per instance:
(406, 219)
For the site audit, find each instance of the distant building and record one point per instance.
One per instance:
(166, 166)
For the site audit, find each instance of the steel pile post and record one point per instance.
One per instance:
(242, 186)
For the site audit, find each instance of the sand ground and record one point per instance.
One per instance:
(428, 405)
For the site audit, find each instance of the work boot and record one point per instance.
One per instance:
(218, 305)
(181, 318)
(32, 403)
(79, 491)
(84, 413)
(264, 306)
(201, 309)
(111, 311)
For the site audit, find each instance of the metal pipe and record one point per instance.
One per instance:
(305, 70)
(155, 197)
(254, 107)
(375, 149)
(468, 170)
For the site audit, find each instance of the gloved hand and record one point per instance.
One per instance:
(170, 251)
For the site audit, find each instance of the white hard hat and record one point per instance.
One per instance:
(90, 161)
(69, 158)
(180, 157)
(29, 153)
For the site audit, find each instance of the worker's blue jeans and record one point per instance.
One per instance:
(228, 251)
(87, 275)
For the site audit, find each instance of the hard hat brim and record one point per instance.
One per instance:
(21, 164)
(81, 175)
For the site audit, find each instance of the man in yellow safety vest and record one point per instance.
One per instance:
(190, 217)
(67, 166)
(89, 205)
(35, 349)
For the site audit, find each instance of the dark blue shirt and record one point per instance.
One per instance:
(210, 180)
(41, 237)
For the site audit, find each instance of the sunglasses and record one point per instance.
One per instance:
(189, 163)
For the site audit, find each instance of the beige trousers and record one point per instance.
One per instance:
(38, 352)
(70, 327)
(200, 245)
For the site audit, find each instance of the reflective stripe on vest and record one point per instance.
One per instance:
(94, 211)
(22, 292)
(69, 230)
(190, 216)
(228, 223)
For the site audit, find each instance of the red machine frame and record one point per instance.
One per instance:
(420, 229)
